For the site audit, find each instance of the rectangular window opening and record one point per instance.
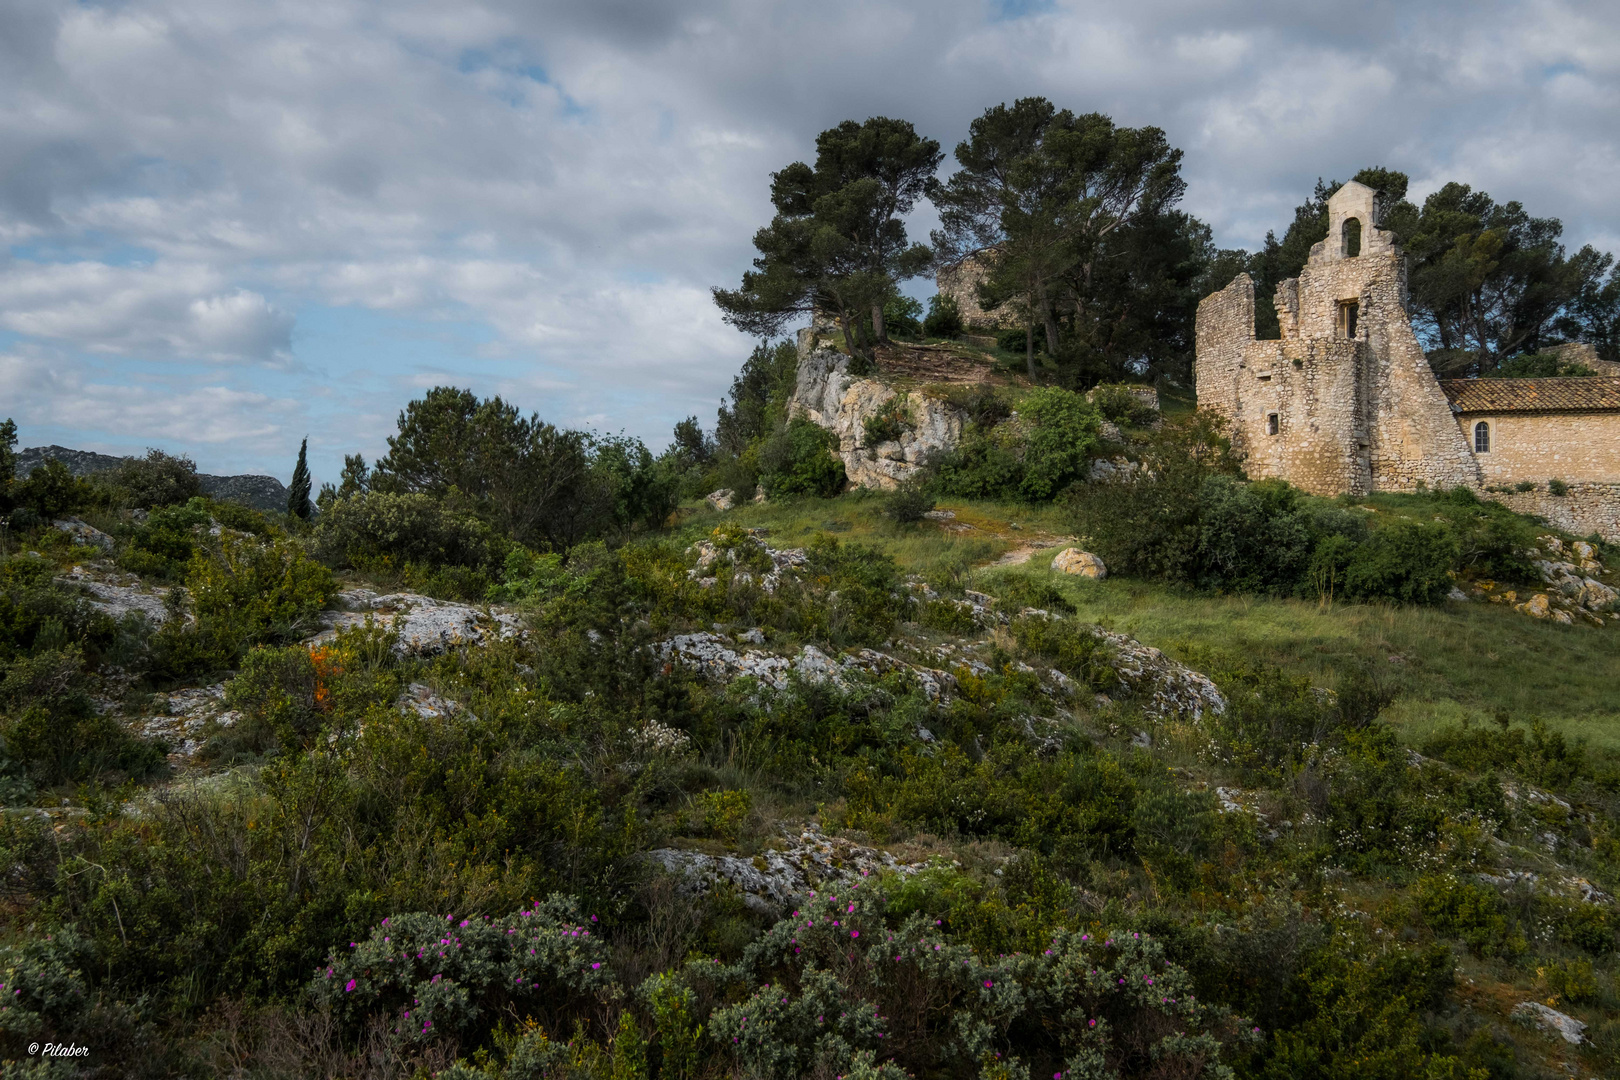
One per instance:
(1349, 310)
(1272, 425)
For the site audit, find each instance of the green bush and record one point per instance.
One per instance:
(902, 317)
(439, 978)
(887, 424)
(1119, 404)
(910, 500)
(154, 481)
(1062, 431)
(1404, 562)
(1017, 341)
(1474, 913)
(799, 460)
(51, 490)
(380, 528)
(164, 544)
(50, 729)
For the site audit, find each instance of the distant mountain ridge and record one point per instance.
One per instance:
(260, 492)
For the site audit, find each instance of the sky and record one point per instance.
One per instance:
(229, 224)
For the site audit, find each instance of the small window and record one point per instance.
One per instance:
(1482, 438)
(1271, 423)
(1352, 237)
(1349, 310)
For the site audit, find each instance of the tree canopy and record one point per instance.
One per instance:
(837, 243)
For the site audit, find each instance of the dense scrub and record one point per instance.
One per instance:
(345, 885)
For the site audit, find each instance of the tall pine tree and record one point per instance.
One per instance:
(298, 491)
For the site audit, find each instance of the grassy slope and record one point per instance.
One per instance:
(1451, 663)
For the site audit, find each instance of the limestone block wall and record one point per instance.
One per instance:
(960, 281)
(1224, 328)
(1583, 510)
(1542, 446)
(1310, 386)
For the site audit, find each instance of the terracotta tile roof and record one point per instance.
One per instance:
(1592, 393)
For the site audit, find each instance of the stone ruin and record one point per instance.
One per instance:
(1344, 401)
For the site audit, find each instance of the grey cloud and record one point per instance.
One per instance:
(574, 176)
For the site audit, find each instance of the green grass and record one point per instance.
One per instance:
(1448, 663)
(924, 548)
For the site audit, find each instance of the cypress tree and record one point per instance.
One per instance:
(298, 490)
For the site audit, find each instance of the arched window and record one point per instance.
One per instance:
(1482, 438)
(1352, 237)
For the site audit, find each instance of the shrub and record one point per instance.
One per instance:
(910, 500)
(51, 490)
(50, 728)
(722, 814)
(944, 317)
(1017, 341)
(1119, 404)
(888, 423)
(382, 527)
(1557, 487)
(798, 460)
(1062, 430)
(156, 480)
(165, 543)
(437, 977)
(902, 317)
(1569, 980)
(1404, 562)
(248, 593)
(1473, 913)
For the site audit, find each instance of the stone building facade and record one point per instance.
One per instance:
(1345, 401)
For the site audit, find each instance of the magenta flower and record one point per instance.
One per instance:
(346, 989)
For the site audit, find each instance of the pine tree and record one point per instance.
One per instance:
(298, 490)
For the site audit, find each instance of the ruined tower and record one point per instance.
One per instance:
(1344, 401)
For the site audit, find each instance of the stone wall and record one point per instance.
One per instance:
(960, 281)
(1581, 352)
(1543, 446)
(1353, 412)
(1583, 509)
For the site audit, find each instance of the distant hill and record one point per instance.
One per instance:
(260, 492)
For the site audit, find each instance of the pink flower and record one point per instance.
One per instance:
(346, 989)
(854, 933)
(987, 982)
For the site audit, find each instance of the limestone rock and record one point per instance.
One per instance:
(1537, 607)
(420, 699)
(1074, 561)
(1172, 690)
(724, 499)
(827, 395)
(1551, 1020)
(182, 720)
(426, 626)
(774, 879)
(85, 535)
(119, 595)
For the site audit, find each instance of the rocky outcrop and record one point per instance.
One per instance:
(1168, 689)
(84, 535)
(183, 719)
(426, 626)
(118, 594)
(719, 658)
(827, 395)
(1567, 1027)
(776, 879)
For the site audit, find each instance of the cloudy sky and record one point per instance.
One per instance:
(225, 224)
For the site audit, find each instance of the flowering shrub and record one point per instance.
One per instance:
(836, 981)
(441, 976)
(42, 987)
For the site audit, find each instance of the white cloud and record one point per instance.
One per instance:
(183, 178)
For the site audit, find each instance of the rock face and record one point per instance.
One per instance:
(118, 594)
(1551, 1020)
(84, 535)
(426, 626)
(715, 657)
(1084, 563)
(1169, 689)
(724, 499)
(827, 395)
(182, 720)
(774, 879)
